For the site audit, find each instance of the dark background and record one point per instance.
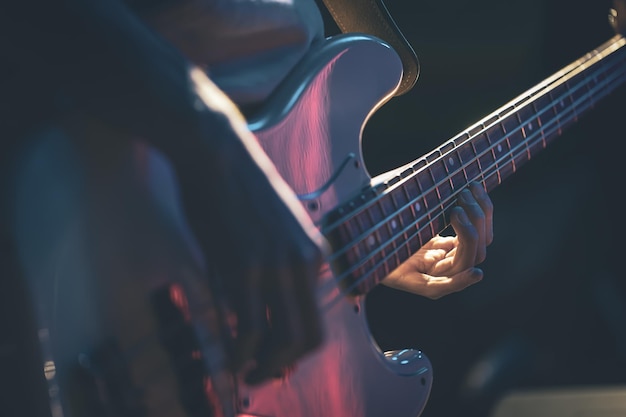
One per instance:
(551, 310)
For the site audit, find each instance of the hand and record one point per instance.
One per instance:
(448, 264)
(255, 234)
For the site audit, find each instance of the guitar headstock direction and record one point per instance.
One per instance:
(617, 16)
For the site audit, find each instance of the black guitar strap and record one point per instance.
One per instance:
(372, 17)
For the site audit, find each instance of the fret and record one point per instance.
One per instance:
(542, 110)
(530, 129)
(485, 159)
(542, 129)
(555, 114)
(588, 85)
(501, 150)
(411, 189)
(455, 170)
(416, 209)
(602, 71)
(466, 179)
(380, 242)
(578, 92)
(563, 106)
(439, 173)
(397, 204)
(343, 238)
(477, 152)
(407, 213)
(475, 130)
(389, 228)
(345, 233)
(422, 213)
(467, 156)
(366, 243)
(430, 197)
(515, 138)
(571, 100)
(371, 240)
(421, 210)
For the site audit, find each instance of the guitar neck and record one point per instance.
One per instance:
(380, 228)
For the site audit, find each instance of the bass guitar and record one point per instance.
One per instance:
(374, 224)
(311, 129)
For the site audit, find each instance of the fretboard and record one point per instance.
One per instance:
(384, 225)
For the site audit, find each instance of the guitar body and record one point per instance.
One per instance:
(103, 342)
(348, 376)
(314, 139)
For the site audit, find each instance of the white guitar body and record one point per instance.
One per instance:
(314, 139)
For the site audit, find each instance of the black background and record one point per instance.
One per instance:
(551, 309)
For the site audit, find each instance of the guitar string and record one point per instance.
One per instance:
(343, 292)
(430, 213)
(137, 349)
(552, 127)
(492, 170)
(459, 170)
(327, 228)
(462, 168)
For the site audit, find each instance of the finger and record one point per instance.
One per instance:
(278, 348)
(440, 287)
(251, 325)
(468, 241)
(445, 243)
(483, 200)
(294, 329)
(242, 305)
(476, 216)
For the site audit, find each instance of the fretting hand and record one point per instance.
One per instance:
(448, 264)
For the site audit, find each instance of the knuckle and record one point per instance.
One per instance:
(435, 294)
(471, 235)
(476, 212)
(481, 256)
(487, 205)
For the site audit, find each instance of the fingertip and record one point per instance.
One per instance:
(476, 274)
(461, 216)
(477, 188)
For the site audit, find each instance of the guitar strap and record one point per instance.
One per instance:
(372, 17)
